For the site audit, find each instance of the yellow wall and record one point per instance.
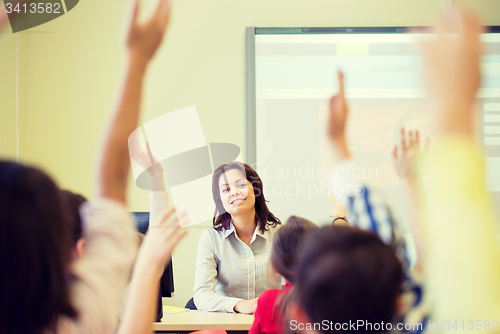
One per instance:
(70, 68)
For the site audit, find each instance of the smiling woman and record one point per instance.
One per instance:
(238, 194)
(232, 256)
(235, 193)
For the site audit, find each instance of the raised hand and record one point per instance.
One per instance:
(407, 161)
(338, 111)
(408, 157)
(143, 38)
(338, 119)
(161, 239)
(142, 41)
(138, 152)
(451, 71)
(141, 155)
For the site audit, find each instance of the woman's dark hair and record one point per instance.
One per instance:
(73, 202)
(34, 257)
(287, 246)
(263, 217)
(347, 274)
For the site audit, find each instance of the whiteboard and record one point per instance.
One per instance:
(291, 74)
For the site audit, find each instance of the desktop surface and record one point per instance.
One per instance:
(199, 320)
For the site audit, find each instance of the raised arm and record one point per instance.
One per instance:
(111, 245)
(141, 154)
(154, 255)
(339, 112)
(459, 230)
(142, 41)
(373, 214)
(408, 163)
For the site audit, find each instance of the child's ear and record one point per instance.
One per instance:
(80, 247)
(299, 320)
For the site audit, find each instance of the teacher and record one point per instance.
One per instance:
(232, 258)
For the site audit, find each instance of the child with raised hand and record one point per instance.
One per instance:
(366, 208)
(40, 291)
(286, 249)
(463, 262)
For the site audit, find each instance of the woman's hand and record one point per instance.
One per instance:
(143, 38)
(409, 157)
(337, 121)
(246, 306)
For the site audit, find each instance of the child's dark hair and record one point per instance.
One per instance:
(287, 245)
(34, 256)
(347, 274)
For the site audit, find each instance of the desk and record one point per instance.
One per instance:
(197, 320)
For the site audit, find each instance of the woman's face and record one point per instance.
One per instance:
(236, 193)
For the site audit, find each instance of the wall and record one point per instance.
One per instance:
(70, 68)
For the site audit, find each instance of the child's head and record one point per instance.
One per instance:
(346, 274)
(34, 257)
(287, 246)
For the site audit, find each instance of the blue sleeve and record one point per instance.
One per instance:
(367, 210)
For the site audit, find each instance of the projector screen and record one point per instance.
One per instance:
(291, 74)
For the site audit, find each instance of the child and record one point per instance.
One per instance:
(286, 248)
(40, 292)
(73, 203)
(347, 280)
(367, 210)
(460, 229)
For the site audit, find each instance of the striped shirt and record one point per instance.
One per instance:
(367, 210)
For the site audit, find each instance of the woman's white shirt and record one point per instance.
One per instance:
(228, 270)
